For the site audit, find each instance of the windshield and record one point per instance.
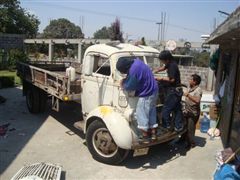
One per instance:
(153, 62)
(151, 59)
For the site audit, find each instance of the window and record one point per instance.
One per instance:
(101, 65)
(153, 62)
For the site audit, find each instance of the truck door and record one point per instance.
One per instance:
(97, 82)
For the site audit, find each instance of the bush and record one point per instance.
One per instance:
(14, 56)
(6, 81)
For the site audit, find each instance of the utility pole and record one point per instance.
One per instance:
(158, 23)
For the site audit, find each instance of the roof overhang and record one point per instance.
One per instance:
(228, 31)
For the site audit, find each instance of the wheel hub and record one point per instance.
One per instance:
(104, 143)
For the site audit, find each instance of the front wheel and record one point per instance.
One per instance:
(102, 146)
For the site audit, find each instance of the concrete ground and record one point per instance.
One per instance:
(50, 137)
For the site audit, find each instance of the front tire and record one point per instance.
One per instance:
(102, 146)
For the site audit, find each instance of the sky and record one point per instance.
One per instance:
(185, 19)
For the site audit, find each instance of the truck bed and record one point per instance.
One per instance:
(50, 77)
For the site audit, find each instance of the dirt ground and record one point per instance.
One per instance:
(50, 137)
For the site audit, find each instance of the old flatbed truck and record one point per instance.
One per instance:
(108, 121)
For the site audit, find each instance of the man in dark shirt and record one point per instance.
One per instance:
(173, 96)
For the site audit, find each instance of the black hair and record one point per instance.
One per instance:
(123, 65)
(197, 79)
(165, 55)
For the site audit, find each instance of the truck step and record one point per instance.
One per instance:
(162, 136)
(79, 125)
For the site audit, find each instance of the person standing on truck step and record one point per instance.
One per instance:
(141, 80)
(174, 93)
(192, 108)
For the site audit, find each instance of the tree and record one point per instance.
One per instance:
(16, 20)
(143, 41)
(201, 58)
(115, 32)
(102, 33)
(62, 28)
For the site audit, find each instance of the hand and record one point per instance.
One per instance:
(121, 83)
(159, 78)
(155, 71)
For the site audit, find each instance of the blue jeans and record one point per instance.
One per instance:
(172, 104)
(146, 112)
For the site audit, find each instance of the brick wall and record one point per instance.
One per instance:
(187, 71)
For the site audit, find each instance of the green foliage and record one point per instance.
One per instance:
(16, 20)
(14, 56)
(115, 32)
(5, 73)
(6, 81)
(102, 33)
(143, 41)
(182, 51)
(201, 58)
(62, 28)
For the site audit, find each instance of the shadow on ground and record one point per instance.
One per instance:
(161, 154)
(22, 125)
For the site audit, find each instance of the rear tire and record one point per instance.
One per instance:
(42, 100)
(36, 100)
(102, 146)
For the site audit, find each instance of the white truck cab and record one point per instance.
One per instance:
(109, 112)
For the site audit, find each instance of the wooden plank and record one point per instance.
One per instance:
(234, 140)
(227, 100)
(39, 77)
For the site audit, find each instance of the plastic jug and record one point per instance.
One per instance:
(204, 124)
(71, 73)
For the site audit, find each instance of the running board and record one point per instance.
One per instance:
(162, 136)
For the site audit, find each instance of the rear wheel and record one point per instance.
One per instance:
(42, 100)
(102, 146)
(36, 100)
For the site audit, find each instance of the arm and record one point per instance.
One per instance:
(130, 83)
(163, 68)
(167, 79)
(195, 99)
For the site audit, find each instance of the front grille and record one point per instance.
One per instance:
(39, 171)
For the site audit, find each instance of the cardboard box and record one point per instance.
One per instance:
(213, 112)
(206, 101)
(205, 106)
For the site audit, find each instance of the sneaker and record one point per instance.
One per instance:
(154, 137)
(178, 129)
(153, 133)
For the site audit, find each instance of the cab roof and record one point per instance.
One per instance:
(114, 47)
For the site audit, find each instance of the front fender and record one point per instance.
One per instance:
(117, 125)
